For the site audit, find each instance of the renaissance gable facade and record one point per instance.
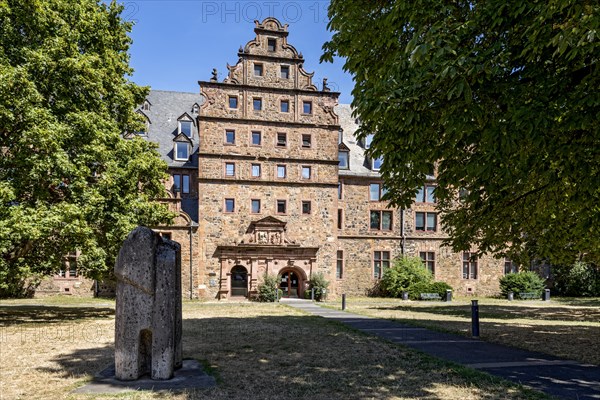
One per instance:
(267, 177)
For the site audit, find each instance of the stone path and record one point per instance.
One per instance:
(558, 377)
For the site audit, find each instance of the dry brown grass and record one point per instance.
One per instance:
(256, 351)
(569, 328)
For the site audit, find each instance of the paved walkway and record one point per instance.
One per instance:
(558, 377)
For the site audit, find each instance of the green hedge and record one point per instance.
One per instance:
(522, 282)
(408, 274)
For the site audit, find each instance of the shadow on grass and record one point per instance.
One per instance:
(301, 357)
(39, 314)
(504, 312)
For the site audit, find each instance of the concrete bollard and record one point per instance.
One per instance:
(343, 302)
(312, 294)
(474, 319)
(510, 296)
(448, 295)
(404, 295)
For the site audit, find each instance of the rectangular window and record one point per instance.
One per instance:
(469, 269)
(376, 164)
(368, 141)
(307, 107)
(381, 220)
(72, 269)
(256, 138)
(258, 70)
(306, 172)
(340, 218)
(257, 104)
(426, 194)
(339, 268)
(306, 207)
(181, 151)
(255, 206)
(375, 191)
(426, 221)
(233, 102)
(428, 258)
(306, 140)
(271, 44)
(285, 72)
(510, 267)
(284, 106)
(256, 170)
(281, 172)
(229, 169)
(176, 183)
(229, 205)
(381, 261)
(230, 136)
(281, 206)
(186, 128)
(185, 183)
(281, 139)
(343, 159)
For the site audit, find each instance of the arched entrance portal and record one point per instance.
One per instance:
(239, 281)
(290, 283)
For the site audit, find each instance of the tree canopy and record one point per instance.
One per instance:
(502, 97)
(68, 180)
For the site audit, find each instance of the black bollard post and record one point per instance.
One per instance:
(511, 296)
(312, 294)
(474, 319)
(343, 302)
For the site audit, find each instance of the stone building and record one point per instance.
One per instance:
(268, 177)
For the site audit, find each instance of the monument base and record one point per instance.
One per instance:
(190, 376)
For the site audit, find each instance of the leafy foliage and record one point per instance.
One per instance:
(579, 280)
(68, 181)
(320, 284)
(405, 273)
(522, 282)
(268, 289)
(501, 97)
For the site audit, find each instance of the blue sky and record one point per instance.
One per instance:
(176, 43)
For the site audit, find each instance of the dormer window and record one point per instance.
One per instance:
(182, 151)
(185, 127)
(343, 158)
(376, 163)
(271, 44)
(368, 141)
(146, 105)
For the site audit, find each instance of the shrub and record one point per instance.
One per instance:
(414, 291)
(522, 282)
(320, 284)
(267, 288)
(579, 279)
(406, 272)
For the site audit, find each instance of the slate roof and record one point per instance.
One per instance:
(359, 165)
(165, 109)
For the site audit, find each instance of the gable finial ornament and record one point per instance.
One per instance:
(214, 75)
(325, 87)
(241, 50)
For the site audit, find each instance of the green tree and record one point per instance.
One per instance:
(405, 273)
(68, 181)
(501, 96)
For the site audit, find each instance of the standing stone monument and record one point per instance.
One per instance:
(148, 309)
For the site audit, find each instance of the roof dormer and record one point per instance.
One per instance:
(182, 147)
(185, 125)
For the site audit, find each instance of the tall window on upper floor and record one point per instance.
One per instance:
(306, 140)
(343, 158)
(185, 183)
(185, 127)
(271, 44)
(469, 265)
(426, 194)
(368, 140)
(176, 183)
(233, 102)
(285, 71)
(307, 107)
(284, 106)
(257, 104)
(426, 221)
(381, 220)
(258, 70)
(182, 151)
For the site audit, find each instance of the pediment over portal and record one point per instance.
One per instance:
(268, 231)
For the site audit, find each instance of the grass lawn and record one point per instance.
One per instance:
(568, 328)
(255, 351)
